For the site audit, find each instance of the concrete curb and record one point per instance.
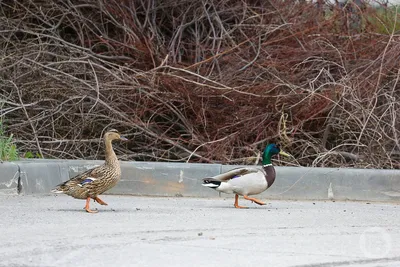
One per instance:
(298, 183)
(9, 175)
(184, 179)
(40, 177)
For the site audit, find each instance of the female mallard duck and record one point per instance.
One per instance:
(247, 181)
(95, 181)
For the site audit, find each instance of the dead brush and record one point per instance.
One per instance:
(202, 81)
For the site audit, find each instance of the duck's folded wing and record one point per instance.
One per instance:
(234, 173)
(83, 178)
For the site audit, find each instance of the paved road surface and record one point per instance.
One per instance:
(143, 231)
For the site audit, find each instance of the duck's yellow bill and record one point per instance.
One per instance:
(284, 154)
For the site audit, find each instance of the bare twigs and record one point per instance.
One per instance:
(201, 81)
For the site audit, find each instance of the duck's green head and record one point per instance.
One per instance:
(269, 151)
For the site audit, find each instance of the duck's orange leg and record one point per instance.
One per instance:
(101, 202)
(237, 203)
(87, 206)
(255, 200)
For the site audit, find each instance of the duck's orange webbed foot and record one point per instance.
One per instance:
(255, 200)
(87, 206)
(237, 203)
(101, 202)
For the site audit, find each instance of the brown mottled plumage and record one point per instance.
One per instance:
(95, 181)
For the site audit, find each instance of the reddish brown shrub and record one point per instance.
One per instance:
(202, 81)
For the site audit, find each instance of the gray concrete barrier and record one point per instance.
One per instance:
(184, 179)
(165, 179)
(9, 175)
(333, 183)
(39, 177)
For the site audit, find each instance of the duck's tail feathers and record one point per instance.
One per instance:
(61, 188)
(57, 191)
(210, 182)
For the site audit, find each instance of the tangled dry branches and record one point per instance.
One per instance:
(200, 81)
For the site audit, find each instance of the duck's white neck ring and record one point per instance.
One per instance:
(267, 165)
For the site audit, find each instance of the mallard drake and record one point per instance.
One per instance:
(95, 181)
(247, 181)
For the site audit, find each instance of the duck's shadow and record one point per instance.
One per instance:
(233, 208)
(97, 210)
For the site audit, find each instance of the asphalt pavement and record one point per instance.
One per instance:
(145, 231)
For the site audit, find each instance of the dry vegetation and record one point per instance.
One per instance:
(201, 81)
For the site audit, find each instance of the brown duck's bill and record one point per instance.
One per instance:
(284, 154)
(123, 138)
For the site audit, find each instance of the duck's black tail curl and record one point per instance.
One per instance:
(210, 182)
